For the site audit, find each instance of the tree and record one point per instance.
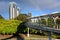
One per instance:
(1, 17)
(50, 22)
(21, 17)
(57, 23)
(43, 22)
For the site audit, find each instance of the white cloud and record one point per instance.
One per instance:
(46, 4)
(55, 12)
(43, 14)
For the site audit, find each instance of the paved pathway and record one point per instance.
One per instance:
(27, 38)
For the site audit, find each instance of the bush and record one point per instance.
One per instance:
(58, 21)
(50, 22)
(9, 26)
(43, 22)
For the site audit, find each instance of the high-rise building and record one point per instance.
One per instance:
(30, 14)
(18, 11)
(12, 10)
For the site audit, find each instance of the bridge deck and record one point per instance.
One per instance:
(33, 25)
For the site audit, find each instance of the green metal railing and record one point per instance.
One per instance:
(47, 23)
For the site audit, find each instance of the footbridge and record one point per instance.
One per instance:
(35, 26)
(35, 23)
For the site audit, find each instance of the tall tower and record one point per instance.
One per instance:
(30, 14)
(12, 10)
(18, 11)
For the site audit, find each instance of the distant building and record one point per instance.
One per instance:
(13, 10)
(18, 11)
(30, 14)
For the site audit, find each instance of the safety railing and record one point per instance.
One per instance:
(45, 22)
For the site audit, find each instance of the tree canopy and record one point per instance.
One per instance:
(1, 17)
(21, 17)
(58, 21)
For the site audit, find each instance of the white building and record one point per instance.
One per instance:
(18, 11)
(34, 20)
(14, 11)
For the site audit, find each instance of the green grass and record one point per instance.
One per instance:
(37, 36)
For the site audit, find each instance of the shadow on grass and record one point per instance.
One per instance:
(20, 28)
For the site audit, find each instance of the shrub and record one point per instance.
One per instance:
(50, 22)
(58, 21)
(9, 26)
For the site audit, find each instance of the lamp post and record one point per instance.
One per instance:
(49, 35)
(28, 28)
(28, 32)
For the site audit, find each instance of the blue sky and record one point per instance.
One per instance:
(36, 7)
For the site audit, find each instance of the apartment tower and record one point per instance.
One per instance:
(12, 10)
(18, 11)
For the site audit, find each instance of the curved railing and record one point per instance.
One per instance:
(45, 22)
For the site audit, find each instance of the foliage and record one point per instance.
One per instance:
(9, 26)
(22, 17)
(50, 22)
(24, 28)
(56, 36)
(43, 22)
(21, 28)
(58, 21)
(1, 17)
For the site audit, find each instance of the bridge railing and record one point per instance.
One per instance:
(45, 22)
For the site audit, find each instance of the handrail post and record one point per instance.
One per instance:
(28, 32)
(49, 35)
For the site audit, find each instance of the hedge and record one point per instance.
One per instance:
(9, 26)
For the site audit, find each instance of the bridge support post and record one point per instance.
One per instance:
(28, 32)
(49, 35)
